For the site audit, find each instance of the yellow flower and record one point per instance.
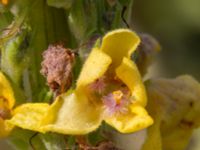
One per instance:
(109, 88)
(5, 2)
(7, 102)
(174, 104)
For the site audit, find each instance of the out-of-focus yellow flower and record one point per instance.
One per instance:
(174, 105)
(5, 2)
(7, 102)
(109, 88)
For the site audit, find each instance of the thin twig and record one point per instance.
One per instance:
(122, 16)
(30, 140)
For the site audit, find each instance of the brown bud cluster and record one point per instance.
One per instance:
(57, 68)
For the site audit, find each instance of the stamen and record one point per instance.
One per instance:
(114, 94)
(116, 102)
(117, 96)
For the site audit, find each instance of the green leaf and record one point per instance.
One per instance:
(71, 142)
(20, 139)
(6, 19)
(76, 70)
(95, 137)
(82, 19)
(45, 95)
(53, 141)
(14, 56)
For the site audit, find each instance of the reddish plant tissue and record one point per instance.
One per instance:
(57, 68)
(107, 146)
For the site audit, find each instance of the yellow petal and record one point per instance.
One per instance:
(119, 43)
(94, 67)
(153, 140)
(5, 128)
(135, 120)
(72, 114)
(130, 75)
(29, 116)
(6, 92)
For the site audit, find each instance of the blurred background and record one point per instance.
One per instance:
(176, 25)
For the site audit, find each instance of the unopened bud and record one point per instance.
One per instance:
(145, 53)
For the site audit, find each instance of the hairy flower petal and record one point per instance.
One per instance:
(72, 114)
(130, 75)
(94, 67)
(137, 119)
(6, 91)
(7, 102)
(118, 44)
(29, 116)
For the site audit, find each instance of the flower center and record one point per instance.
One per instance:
(112, 92)
(117, 95)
